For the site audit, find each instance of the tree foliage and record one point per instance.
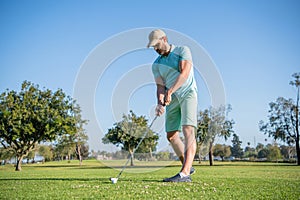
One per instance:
(283, 119)
(129, 132)
(287, 151)
(263, 153)
(46, 152)
(5, 154)
(69, 144)
(32, 116)
(273, 152)
(212, 123)
(250, 152)
(202, 133)
(221, 150)
(236, 149)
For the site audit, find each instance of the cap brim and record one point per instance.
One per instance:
(152, 43)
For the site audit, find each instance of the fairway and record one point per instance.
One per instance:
(235, 180)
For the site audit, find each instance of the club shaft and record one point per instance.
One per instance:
(137, 146)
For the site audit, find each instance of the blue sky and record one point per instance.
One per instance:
(255, 46)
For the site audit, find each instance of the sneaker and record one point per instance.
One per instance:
(178, 178)
(192, 171)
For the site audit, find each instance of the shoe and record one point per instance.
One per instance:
(178, 178)
(192, 171)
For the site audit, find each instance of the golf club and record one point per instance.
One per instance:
(115, 180)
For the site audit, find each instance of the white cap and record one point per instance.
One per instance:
(154, 36)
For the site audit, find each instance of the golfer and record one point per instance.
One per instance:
(177, 90)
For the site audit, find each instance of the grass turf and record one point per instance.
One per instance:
(232, 180)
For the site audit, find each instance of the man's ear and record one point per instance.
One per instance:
(165, 39)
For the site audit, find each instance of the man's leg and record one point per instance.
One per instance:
(189, 122)
(189, 148)
(177, 144)
(185, 152)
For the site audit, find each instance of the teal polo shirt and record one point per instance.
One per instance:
(167, 67)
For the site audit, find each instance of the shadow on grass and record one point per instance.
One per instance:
(103, 180)
(103, 167)
(144, 180)
(153, 165)
(245, 164)
(54, 179)
(145, 167)
(157, 181)
(70, 166)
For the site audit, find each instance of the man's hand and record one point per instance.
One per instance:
(168, 97)
(159, 110)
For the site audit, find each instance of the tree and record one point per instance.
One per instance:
(5, 154)
(263, 153)
(202, 133)
(273, 152)
(221, 150)
(80, 138)
(287, 152)
(129, 132)
(65, 147)
(284, 119)
(84, 151)
(70, 144)
(236, 149)
(32, 116)
(163, 155)
(214, 124)
(46, 152)
(250, 152)
(259, 147)
(30, 156)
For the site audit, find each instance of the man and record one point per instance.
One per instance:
(177, 90)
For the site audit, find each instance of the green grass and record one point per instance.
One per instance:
(62, 180)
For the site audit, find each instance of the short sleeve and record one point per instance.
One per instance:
(155, 70)
(185, 54)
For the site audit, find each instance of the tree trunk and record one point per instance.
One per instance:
(298, 150)
(297, 127)
(69, 157)
(199, 153)
(151, 155)
(19, 163)
(80, 159)
(78, 153)
(210, 154)
(131, 159)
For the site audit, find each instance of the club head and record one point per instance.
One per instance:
(114, 180)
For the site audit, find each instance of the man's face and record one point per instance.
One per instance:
(160, 46)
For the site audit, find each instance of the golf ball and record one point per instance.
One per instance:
(114, 180)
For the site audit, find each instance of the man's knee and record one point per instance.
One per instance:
(188, 130)
(171, 136)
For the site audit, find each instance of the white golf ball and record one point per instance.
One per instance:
(114, 180)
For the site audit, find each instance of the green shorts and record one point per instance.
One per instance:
(181, 111)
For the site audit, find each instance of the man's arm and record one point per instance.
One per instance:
(185, 69)
(160, 90)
